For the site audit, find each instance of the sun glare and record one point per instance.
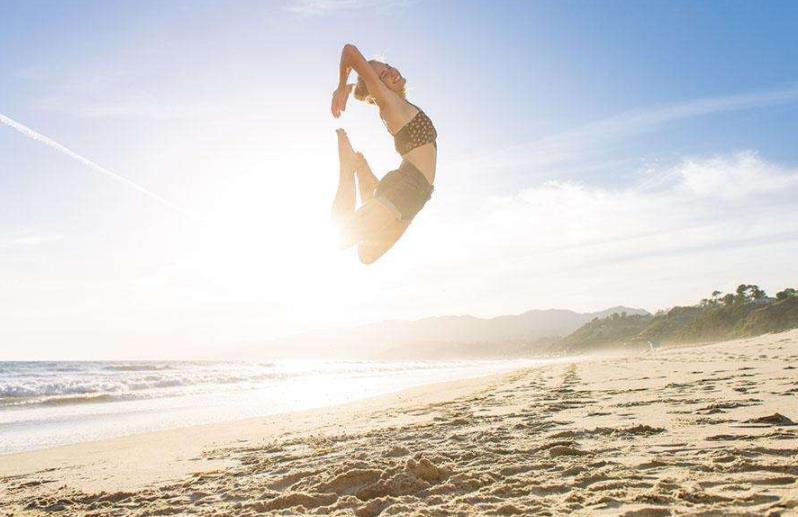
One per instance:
(270, 240)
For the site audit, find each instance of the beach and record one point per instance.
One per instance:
(690, 429)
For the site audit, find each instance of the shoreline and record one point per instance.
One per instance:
(705, 429)
(172, 453)
(89, 404)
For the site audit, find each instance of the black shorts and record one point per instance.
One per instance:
(405, 191)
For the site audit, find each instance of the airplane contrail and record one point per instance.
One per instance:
(30, 133)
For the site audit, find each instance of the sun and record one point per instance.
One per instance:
(270, 239)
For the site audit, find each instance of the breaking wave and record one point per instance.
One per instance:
(28, 384)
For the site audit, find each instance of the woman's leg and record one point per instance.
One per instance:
(343, 207)
(366, 180)
(376, 245)
(374, 229)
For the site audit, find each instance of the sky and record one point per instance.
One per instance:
(590, 154)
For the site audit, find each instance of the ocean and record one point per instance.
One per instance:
(47, 404)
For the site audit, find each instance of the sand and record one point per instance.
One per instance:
(704, 430)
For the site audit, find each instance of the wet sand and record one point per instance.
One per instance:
(681, 430)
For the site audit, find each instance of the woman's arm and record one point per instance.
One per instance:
(345, 68)
(351, 58)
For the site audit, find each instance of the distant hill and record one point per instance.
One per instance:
(746, 312)
(604, 332)
(439, 337)
(712, 320)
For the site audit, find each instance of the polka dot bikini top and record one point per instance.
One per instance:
(415, 133)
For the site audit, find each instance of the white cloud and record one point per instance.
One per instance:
(23, 241)
(733, 192)
(324, 7)
(583, 143)
(742, 176)
(705, 222)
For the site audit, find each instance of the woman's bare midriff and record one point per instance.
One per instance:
(425, 159)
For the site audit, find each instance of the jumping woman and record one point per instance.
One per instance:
(390, 204)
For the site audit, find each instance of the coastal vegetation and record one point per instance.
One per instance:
(746, 312)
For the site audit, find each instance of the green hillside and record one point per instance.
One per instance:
(692, 324)
(745, 313)
(609, 331)
(778, 317)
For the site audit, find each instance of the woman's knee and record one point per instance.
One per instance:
(369, 254)
(370, 251)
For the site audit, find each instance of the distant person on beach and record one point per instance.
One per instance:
(390, 204)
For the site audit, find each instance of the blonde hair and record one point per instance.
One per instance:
(361, 91)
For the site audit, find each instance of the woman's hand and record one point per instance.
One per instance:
(340, 96)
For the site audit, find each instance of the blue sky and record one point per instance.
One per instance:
(591, 153)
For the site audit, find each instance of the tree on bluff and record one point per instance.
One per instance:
(746, 293)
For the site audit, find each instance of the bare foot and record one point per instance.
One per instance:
(346, 155)
(359, 159)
